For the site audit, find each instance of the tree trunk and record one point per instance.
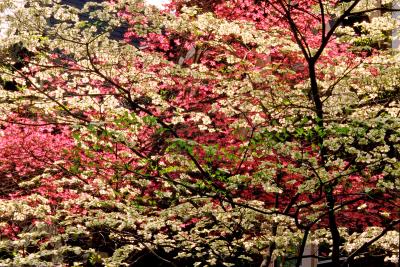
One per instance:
(302, 247)
(314, 93)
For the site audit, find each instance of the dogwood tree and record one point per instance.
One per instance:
(228, 133)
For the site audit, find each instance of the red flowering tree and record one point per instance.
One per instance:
(227, 133)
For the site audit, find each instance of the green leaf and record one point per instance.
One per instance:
(150, 120)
